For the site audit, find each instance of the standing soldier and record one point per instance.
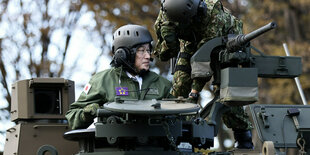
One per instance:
(182, 27)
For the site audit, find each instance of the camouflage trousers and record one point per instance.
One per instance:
(236, 118)
(182, 84)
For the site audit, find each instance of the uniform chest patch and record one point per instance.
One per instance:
(153, 91)
(121, 91)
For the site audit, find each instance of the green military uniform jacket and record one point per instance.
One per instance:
(103, 89)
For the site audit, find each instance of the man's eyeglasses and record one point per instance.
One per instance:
(143, 51)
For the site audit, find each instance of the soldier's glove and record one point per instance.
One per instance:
(184, 32)
(216, 88)
(193, 97)
(90, 111)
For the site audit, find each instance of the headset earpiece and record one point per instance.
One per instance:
(123, 57)
(120, 56)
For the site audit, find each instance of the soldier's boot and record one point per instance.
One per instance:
(243, 139)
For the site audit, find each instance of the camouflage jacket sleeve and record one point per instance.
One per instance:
(167, 45)
(225, 21)
(219, 21)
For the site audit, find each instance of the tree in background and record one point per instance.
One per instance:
(39, 38)
(35, 37)
(43, 38)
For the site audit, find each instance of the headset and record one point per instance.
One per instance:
(124, 56)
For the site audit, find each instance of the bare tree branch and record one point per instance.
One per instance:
(4, 79)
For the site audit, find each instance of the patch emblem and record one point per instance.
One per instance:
(121, 91)
(87, 88)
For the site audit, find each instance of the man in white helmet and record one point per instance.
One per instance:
(129, 77)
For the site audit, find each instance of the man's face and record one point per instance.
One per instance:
(143, 55)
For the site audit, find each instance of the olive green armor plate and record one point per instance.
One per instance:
(152, 107)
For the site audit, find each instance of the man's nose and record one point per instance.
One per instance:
(147, 55)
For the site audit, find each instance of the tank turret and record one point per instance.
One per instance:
(144, 127)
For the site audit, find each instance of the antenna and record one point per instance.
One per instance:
(302, 95)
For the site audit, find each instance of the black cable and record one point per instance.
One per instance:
(147, 89)
(129, 66)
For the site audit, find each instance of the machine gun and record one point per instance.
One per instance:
(236, 43)
(235, 70)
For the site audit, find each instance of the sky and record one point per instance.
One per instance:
(81, 45)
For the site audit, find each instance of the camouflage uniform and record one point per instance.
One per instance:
(173, 37)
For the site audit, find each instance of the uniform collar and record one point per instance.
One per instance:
(147, 78)
(135, 78)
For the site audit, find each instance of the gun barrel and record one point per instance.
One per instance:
(240, 40)
(258, 32)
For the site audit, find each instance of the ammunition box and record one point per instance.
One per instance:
(278, 66)
(238, 86)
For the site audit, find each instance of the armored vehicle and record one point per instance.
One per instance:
(159, 126)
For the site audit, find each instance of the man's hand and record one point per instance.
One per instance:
(193, 96)
(91, 109)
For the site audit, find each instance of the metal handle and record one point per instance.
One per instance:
(14, 111)
(10, 130)
(49, 125)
